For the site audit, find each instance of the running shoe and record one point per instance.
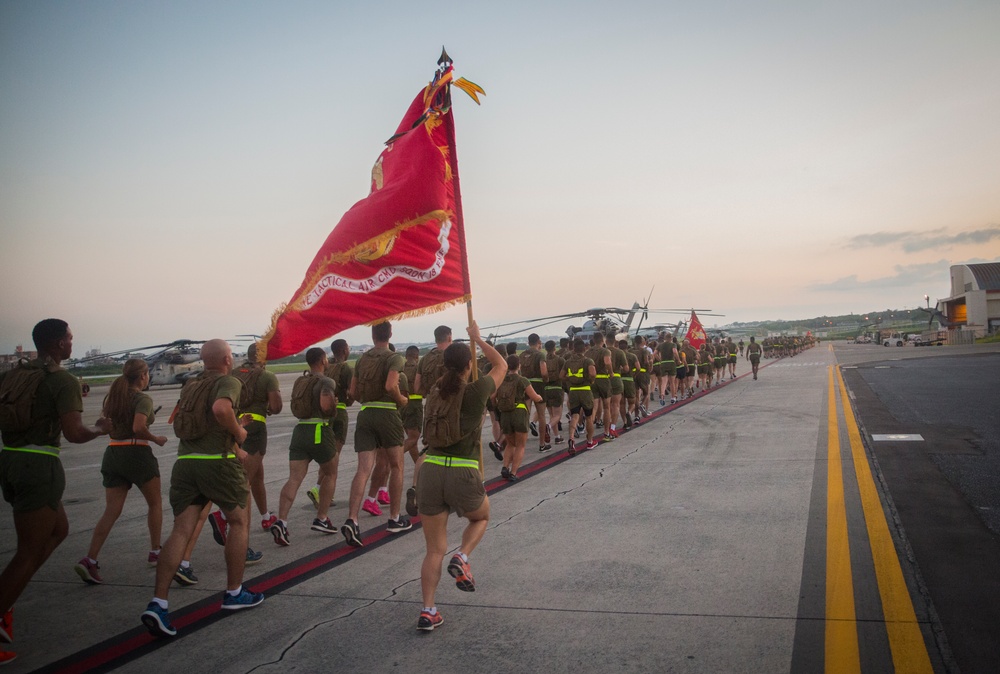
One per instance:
(504, 472)
(156, 621)
(280, 533)
(399, 524)
(637, 419)
(599, 423)
(153, 557)
(662, 402)
(497, 451)
(428, 621)
(313, 495)
(559, 425)
(185, 576)
(411, 502)
(382, 496)
(534, 428)
(245, 599)
(371, 507)
(460, 571)
(7, 626)
(267, 521)
(511, 477)
(219, 527)
(352, 534)
(571, 450)
(89, 571)
(593, 443)
(673, 401)
(576, 433)
(323, 526)
(7, 657)
(544, 448)
(253, 556)
(559, 440)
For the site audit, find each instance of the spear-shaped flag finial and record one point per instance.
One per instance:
(445, 60)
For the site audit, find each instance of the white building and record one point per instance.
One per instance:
(974, 304)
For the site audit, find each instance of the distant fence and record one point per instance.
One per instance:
(958, 337)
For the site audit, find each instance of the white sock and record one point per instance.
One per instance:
(185, 564)
(222, 515)
(465, 557)
(92, 561)
(432, 610)
(369, 499)
(162, 603)
(234, 593)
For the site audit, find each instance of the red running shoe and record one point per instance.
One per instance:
(428, 621)
(7, 626)
(460, 571)
(220, 528)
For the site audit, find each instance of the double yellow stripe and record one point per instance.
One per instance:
(906, 642)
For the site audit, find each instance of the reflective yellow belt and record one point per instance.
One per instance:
(342, 406)
(553, 388)
(519, 406)
(48, 450)
(617, 374)
(414, 396)
(379, 405)
(259, 417)
(451, 461)
(579, 388)
(642, 369)
(601, 376)
(128, 443)
(534, 379)
(319, 423)
(627, 379)
(207, 456)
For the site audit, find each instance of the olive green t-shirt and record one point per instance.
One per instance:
(597, 354)
(121, 429)
(555, 364)
(56, 395)
(217, 440)
(619, 361)
(410, 373)
(531, 363)
(473, 407)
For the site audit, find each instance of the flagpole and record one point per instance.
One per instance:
(445, 62)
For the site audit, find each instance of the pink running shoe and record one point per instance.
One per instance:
(383, 496)
(371, 507)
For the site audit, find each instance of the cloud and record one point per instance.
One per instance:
(914, 241)
(905, 276)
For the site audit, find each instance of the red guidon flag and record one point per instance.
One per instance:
(400, 251)
(696, 333)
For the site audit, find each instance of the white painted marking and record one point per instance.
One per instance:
(883, 367)
(897, 437)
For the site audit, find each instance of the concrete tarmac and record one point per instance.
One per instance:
(701, 541)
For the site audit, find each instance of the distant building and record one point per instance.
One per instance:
(974, 304)
(9, 361)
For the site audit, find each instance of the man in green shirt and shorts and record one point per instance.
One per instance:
(379, 429)
(209, 467)
(31, 474)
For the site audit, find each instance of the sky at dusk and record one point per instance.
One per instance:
(169, 169)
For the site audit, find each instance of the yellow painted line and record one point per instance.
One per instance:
(909, 651)
(841, 651)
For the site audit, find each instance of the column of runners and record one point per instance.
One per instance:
(607, 384)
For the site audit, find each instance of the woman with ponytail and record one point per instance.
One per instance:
(128, 460)
(450, 479)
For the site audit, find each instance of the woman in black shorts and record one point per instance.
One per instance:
(128, 460)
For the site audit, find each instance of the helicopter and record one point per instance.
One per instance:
(604, 320)
(174, 362)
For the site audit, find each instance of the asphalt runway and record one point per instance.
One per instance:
(756, 528)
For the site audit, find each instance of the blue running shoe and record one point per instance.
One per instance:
(156, 621)
(253, 556)
(245, 599)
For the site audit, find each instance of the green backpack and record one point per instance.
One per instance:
(191, 420)
(248, 375)
(17, 396)
(507, 394)
(443, 418)
(305, 396)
